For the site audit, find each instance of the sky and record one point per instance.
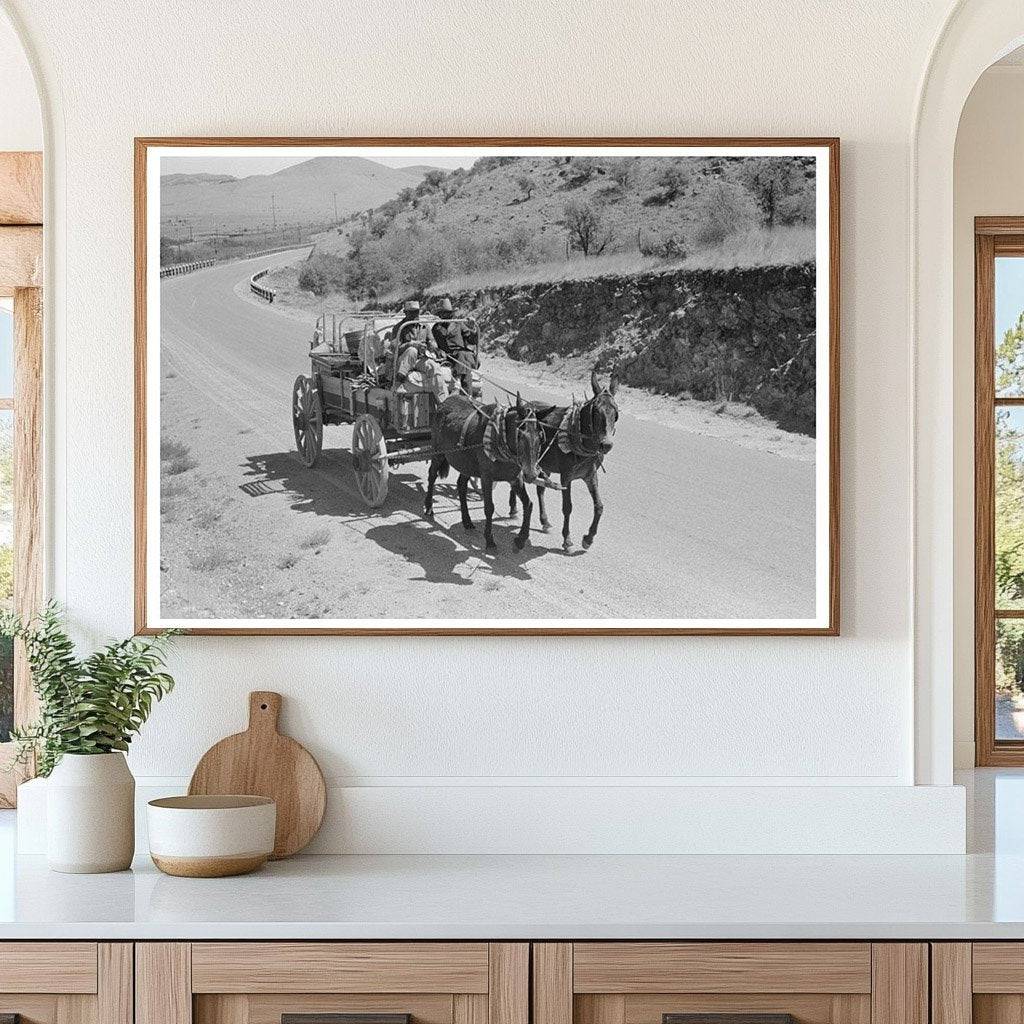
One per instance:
(242, 166)
(1009, 293)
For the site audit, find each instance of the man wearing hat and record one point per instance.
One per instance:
(409, 327)
(416, 367)
(455, 342)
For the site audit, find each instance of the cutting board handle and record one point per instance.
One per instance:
(264, 711)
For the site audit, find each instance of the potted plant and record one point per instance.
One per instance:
(89, 710)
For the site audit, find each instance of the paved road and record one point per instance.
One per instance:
(694, 526)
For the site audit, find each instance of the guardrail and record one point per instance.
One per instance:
(258, 289)
(185, 268)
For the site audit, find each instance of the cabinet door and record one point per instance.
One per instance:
(66, 982)
(332, 983)
(981, 982)
(730, 983)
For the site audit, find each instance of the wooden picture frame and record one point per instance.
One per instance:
(826, 619)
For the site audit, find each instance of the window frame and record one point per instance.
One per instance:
(21, 258)
(993, 237)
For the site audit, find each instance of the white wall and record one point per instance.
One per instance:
(988, 181)
(21, 125)
(444, 713)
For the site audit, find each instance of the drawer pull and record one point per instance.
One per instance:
(340, 1018)
(728, 1018)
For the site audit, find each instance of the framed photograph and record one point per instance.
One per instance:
(487, 386)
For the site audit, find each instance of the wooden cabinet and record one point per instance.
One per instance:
(979, 982)
(650, 982)
(66, 982)
(262, 982)
(494, 983)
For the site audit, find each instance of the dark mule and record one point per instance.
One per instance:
(575, 441)
(489, 442)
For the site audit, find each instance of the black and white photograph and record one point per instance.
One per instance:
(457, 386)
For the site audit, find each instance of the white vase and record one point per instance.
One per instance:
(90, 814)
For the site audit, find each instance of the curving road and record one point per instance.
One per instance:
(694, 526)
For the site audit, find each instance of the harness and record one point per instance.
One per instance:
(570, 435)
(495, 443)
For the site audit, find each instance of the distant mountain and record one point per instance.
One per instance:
(311, 192)
(196, 179)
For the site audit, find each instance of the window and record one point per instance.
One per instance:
(999, 490)
(21, 376)
(6, 510)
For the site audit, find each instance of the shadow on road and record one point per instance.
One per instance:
(329, 490)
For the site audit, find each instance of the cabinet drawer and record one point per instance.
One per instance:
(732, 982)
(629, 967)
(66, 982)
(48, 967)
(340, 967)
(263, 982)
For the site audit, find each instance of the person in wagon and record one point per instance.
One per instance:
(416, 363)
(455, 343)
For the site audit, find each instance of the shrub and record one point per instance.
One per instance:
(321, 273)
(720, 207)
(671, 182)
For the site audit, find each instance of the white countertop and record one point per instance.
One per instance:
(532, 897)
(978, 896)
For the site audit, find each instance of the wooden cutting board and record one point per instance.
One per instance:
(262, 762)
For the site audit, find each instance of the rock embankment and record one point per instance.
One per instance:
(743, 335)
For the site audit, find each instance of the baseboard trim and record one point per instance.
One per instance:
(546, 819)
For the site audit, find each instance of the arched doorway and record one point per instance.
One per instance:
(976, 34)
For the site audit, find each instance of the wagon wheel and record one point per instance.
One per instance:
(307, 419)
(370, 460)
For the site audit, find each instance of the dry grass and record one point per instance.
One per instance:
(175, 467)
(175, 458)
(288, 561)
(783, 246)
(212, 560)
(171, 449)
(317, 539)
(207, 518)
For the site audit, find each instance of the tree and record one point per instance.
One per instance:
(587, 232)
(621, 171)
(673, 181)
(770, 180)
(1009, 471)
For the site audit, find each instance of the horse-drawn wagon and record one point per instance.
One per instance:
(353, 379)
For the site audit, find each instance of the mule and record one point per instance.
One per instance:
(490, 443)
(576, 439)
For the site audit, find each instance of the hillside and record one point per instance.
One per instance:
(302, 194)
(509, 213)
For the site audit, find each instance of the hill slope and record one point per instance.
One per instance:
(509, 213)
(302, 194)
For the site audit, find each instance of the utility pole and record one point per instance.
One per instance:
(273, 208)
(335, 207)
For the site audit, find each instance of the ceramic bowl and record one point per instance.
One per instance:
(211, 836)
